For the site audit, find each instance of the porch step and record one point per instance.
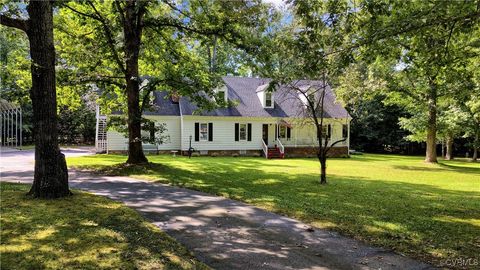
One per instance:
(274, 153)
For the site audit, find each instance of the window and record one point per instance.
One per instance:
(283, 132)
(203, 132)
(345, 131)
(268, 99)
(243, 132)
(221, 95)
(311, 97)
(326, 131)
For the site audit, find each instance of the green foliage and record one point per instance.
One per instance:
(15, 79)
(83, 231)
(172, 55)
(421, 49)
(15, 83)
(309, 46)
(76, 124)
(428, 211)
(374, 125)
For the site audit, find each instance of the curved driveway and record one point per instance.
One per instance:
(223, 233)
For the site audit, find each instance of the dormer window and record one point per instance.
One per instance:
(268, 99)
(221, 94)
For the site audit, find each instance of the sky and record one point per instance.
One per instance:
(277, 3)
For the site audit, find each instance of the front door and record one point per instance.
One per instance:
(265, 133)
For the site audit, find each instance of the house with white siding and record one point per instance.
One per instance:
(260, 123)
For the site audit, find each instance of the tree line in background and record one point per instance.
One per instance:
(406, 71)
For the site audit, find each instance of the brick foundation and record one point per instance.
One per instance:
(151, 152)
(226, 153)
(312, 152)
(290, 152)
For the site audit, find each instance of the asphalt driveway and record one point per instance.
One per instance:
(223, 233)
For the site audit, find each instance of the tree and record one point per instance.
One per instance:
(375, 124)
(306, 49)
(450, 123)
(15, 76)
(51, 175)
(156, 40)
(420, 43)
(472, 107)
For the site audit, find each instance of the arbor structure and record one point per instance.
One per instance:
(51, 175)
(10, 124)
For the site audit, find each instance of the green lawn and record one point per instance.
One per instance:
(431, 212)
(83, 231)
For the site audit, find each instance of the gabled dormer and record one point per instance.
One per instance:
(265, 97)
(221, 93)
(305, 91)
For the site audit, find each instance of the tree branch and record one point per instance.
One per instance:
(15, 23)
(109, 35)
(99, 79)
(81, 13)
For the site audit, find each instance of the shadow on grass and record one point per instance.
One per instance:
(442, 167)
(82, 232)
(417, 219)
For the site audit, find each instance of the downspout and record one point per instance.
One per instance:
(296, 132)
(348, 138)
(97, 115)
(21, 127)
(181, 126)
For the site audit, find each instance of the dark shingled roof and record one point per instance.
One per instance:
(243, 90)
(163, 105)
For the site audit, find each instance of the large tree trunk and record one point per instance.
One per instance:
(443, 148)
(323, 170)
(51, 175)
(431, 153)
(449, 155)
(133, 32)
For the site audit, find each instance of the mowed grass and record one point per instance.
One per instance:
(431, 212)
(83, 231)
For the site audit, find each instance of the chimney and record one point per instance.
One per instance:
(174, 97)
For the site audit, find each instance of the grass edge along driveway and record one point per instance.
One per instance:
(83, 231)
(430, 212)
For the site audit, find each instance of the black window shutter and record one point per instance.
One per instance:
(276, 131)
(236, 131)
(210, 132)
(197, 132)
(288, 133)
(329, 132)
(249, 132)
(152, 131)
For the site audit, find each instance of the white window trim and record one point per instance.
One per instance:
(239, 133)
(280, 133)
(265, 99)
(200, 132)
(225, 92)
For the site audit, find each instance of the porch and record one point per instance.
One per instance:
(283, 138)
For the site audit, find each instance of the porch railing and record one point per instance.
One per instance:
(265, 149)
(280, 146)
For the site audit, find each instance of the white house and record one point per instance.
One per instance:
(261, 123)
